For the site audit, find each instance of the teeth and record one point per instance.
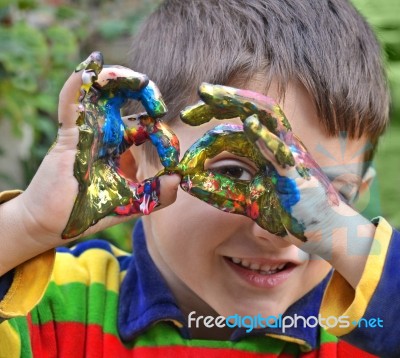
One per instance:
(255, 266)
(263, 270)
(266, 268)
(245, 263)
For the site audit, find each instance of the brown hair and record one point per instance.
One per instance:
(324, 44)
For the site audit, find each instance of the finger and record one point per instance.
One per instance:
(166, 143)
(118, 78)
(147, 195)
(152, 101)
(74, 88)
(128, 84)
(244, 103)
(201, 113)
(115, 85)
(273, 149)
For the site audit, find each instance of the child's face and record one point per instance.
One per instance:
(195, 246)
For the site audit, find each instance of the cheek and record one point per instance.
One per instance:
(315, 272)
(190, 220)
(192, 231)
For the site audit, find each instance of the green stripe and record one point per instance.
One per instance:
(326, 337)
(20, 325)
(76, 302)
(164, 334)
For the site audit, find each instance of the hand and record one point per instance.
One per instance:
(80, 181)
(311, 206)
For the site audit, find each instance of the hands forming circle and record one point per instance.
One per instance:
(283, 163)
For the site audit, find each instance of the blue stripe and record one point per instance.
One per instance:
(5, 283)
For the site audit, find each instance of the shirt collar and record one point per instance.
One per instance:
(146, 299)
(144, 296)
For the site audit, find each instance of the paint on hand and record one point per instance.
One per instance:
(103, 137)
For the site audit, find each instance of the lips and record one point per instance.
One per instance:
(260, 272)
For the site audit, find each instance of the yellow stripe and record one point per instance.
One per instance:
(10, 346)
(92, 266)
(8, 195)
(30, 282)
(340, 299)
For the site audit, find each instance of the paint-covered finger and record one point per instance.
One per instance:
(90, 68)
(166, 143)
(152, 101)
(150, 194)
(75, 89)
(198, 114)
(133, 85)
(243, 103)
(119, 79)
(274, 149)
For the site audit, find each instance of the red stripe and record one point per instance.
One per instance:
(77, 340)
(199, 352)
(71, 339)
(347, 350)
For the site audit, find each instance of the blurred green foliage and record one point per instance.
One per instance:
(33, 64)
(384, 16)
(42, 41)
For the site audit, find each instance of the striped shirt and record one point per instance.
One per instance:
(98, 301)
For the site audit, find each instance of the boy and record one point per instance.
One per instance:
(321, 61)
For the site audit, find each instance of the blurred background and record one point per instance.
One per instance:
(41, 42)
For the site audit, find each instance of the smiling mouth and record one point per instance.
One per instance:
(260, 268)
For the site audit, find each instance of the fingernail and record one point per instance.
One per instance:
(94, 63)
(196, 114)
(252, 127)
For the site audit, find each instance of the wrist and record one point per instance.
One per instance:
(20, 238)
(343, 238)
(351, 248)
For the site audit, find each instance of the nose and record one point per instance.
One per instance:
(267, 238)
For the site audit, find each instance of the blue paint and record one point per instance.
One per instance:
(150, 99)
(287, 191)
(113, 128)
(168, 155)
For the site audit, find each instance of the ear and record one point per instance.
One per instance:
(128, 166)
(134, 165)
(367, 180)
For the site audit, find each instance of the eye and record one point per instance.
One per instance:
(234, 169)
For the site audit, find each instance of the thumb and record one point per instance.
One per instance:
(79, 81)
